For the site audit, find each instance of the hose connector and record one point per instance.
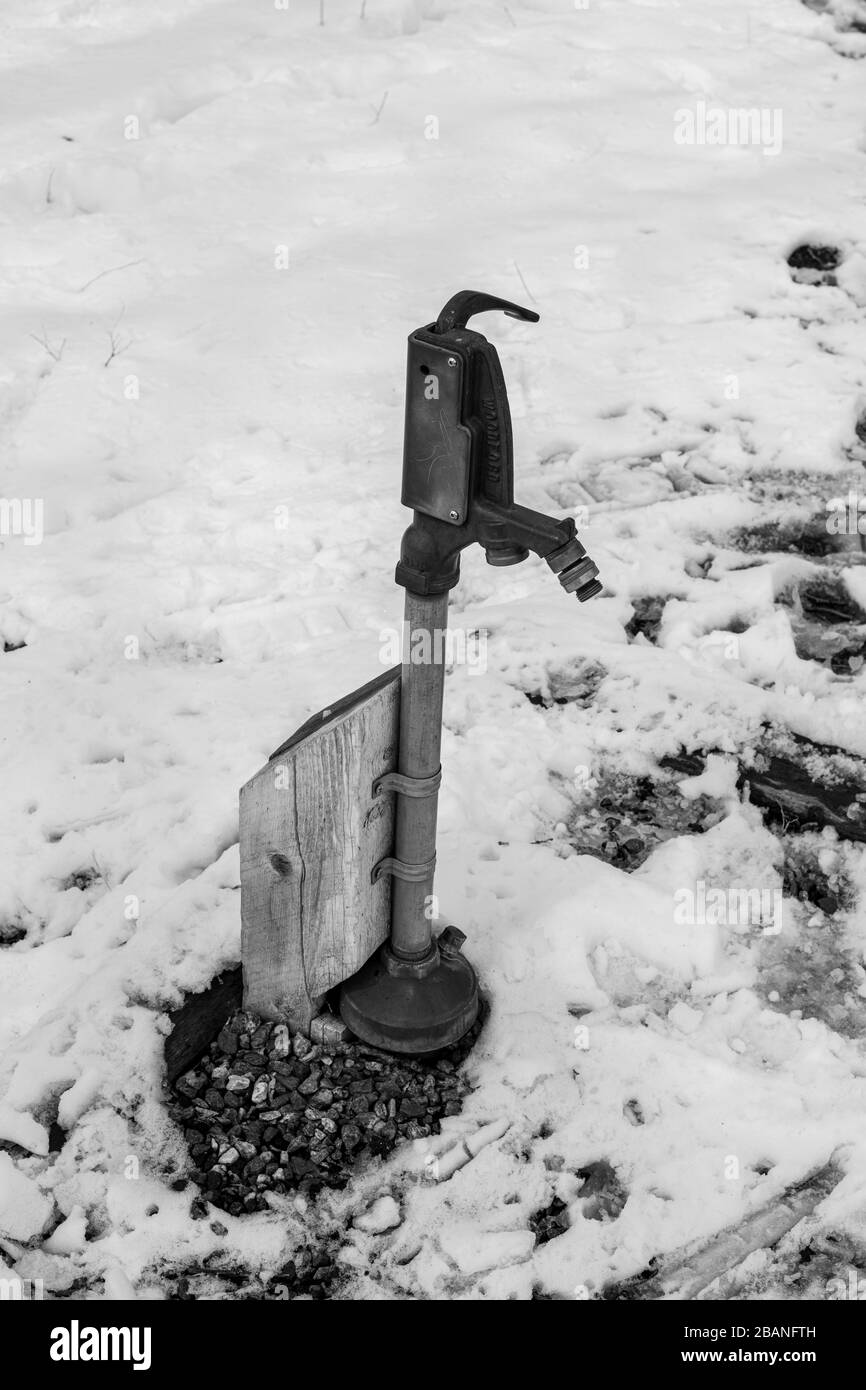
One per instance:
(575, 571)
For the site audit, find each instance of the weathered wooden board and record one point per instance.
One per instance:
(713, 1264)
(196, 1023)
(310, 833)
(784, 787)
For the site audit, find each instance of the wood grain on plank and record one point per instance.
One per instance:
(310, 833)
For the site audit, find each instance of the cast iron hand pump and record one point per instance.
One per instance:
(417, 994)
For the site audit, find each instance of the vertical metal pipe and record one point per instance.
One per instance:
(421, 692)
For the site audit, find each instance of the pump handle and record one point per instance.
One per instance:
(465, 303)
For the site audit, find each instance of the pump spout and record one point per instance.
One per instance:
(430, 553)
(515, 530)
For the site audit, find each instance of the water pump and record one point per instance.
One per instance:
(417, 994)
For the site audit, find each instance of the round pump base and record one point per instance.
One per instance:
(411, 1006)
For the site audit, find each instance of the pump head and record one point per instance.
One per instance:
(458, 461)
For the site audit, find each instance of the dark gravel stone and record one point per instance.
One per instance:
(363, 1087)
(190, 1084)
(550, 1221)
(412, 1109)
(351, 1136)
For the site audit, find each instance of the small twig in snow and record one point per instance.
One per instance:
(48, 197)
(55, 352)
(786, 820)
(524, 284)
(510, 15)
(379, 110)
(99, 869)
(363, 9)
(112, 271)
(117, 347)
(321, 11)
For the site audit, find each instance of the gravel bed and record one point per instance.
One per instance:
(266, 1112)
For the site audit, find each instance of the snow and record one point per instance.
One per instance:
(69, 1236)
(718, 779)
(24, 1210)
(686, 1019)
(475, 1251)
(382, 1216)
(17, 1127)
(216, 441)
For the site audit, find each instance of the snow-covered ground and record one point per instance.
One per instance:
(218, 223)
